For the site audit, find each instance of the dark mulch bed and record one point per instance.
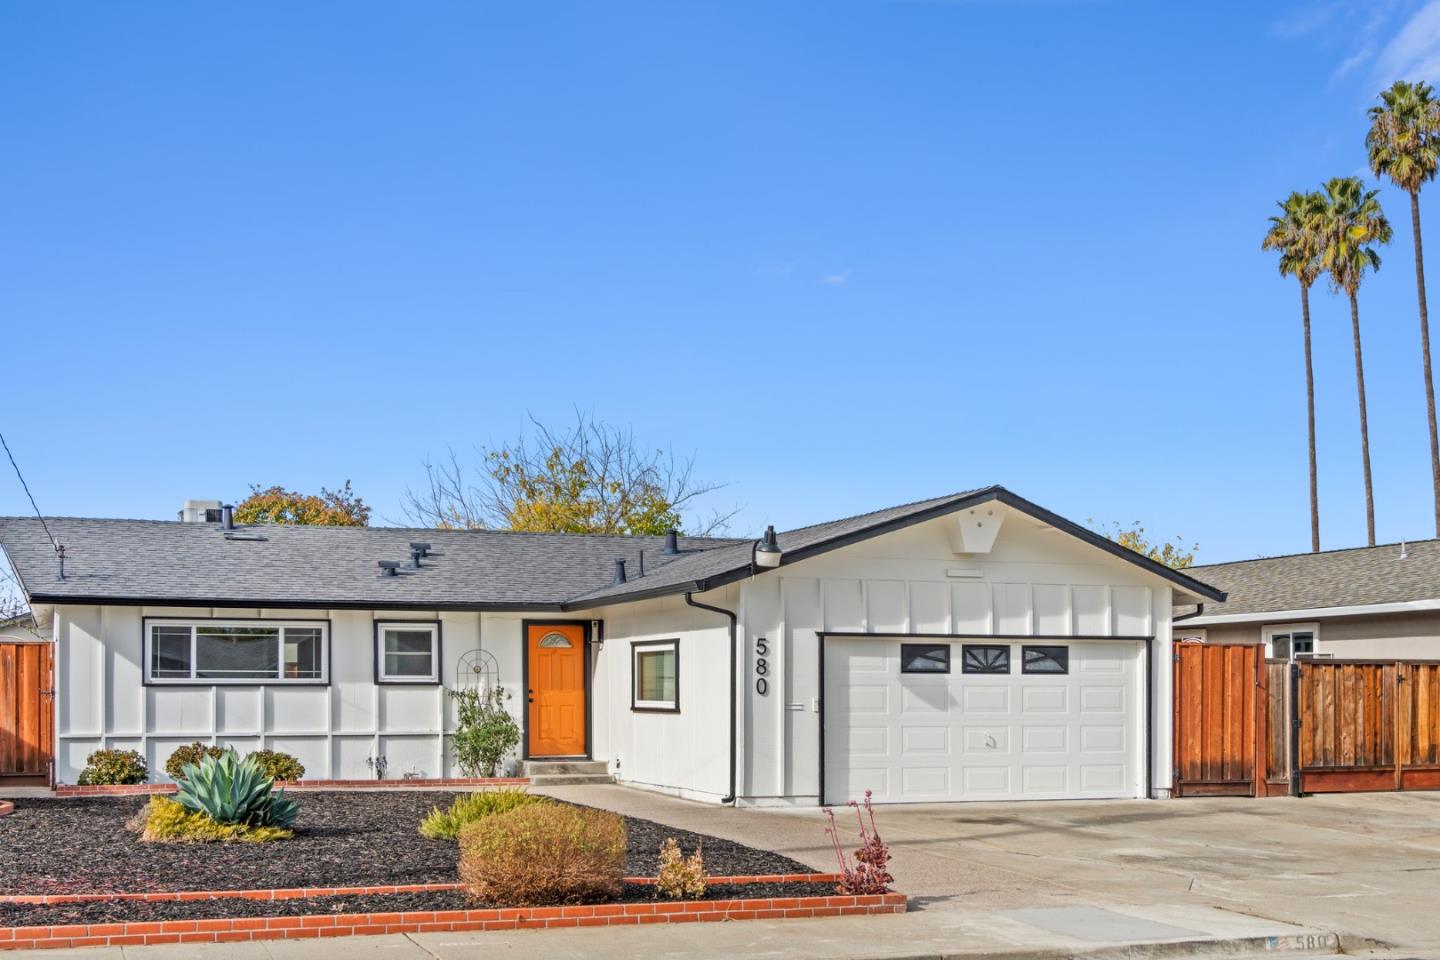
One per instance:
(343, 838)
(121, 911)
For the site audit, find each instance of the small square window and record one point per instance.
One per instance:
(985, 658)
(656, 676)
(1046, 660)
(408, 652)
(924, 658)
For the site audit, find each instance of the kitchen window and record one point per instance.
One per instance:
(236, 651)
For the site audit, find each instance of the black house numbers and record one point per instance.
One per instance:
(762, 666)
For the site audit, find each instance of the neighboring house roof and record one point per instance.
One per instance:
(1379, 579)
(168, 562)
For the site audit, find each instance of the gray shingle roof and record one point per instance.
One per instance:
(169, 561)
(1335, 578)
(160, 562)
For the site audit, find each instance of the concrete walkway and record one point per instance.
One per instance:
(1104, 880)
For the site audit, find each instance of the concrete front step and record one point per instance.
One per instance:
(544, 773)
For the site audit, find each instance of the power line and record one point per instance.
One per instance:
(43, 525)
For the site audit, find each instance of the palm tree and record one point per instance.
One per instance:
(1296, 234)
(1404, 145)
(1352, 225)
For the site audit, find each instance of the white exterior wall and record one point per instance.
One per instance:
(1036, 581)
(101, 701)
(685, 753)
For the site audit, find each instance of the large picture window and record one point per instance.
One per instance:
(407, 652)
(656, 676)
(236, 651)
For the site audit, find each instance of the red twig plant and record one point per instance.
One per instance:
(870, 873)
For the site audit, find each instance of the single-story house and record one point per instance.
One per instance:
(1364, 603)
(968, 647)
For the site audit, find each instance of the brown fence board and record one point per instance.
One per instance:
(25, 721)
(1218, 719)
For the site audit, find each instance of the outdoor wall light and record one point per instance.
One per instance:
(767, 551)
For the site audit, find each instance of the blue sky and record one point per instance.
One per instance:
(847, 254)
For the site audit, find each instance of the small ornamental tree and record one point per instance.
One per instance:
(485, 732)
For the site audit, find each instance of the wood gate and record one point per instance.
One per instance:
(26, 722)
(1221, 703)
(1367, 725)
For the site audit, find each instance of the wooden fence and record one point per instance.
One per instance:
(1249, 726)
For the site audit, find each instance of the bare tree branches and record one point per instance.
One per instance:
(12, 598)
(590, 477)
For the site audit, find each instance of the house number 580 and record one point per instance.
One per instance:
(762, 666)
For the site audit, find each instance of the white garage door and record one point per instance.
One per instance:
(920, 721)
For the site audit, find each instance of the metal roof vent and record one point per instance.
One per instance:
(388, 568)
(619, 571)
(227, 517)
(424, 549)
(1404, 551)
(415, 554)
(672, 543)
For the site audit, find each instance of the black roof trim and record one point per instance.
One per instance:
(272, 604)
(996, 493)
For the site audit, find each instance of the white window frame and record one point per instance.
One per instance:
(653, 646)
(148, 639)
(383, 626)
(1272, 630)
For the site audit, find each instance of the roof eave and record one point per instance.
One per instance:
(312, 604)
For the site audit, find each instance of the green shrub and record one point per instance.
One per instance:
(190, 753)
(543, 854)
(278, 765)
(114, 766)
(230, 791)
(485, 731)
(166, 821)
(468, 807)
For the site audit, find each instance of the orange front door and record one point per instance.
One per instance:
(557, 689)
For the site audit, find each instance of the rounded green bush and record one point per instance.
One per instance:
(278, 765)
(106, 767)
(189, 754)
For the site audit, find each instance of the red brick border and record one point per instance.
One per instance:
(295, 893)
(133, 789)
(6, 808)
(432, 921)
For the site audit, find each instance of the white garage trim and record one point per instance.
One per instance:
(1146, 708)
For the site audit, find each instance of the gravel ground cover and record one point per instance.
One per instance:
(122, 911)
(342, 838)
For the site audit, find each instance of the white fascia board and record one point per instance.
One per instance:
(1311, 613)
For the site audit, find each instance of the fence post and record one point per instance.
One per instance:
(1295, 790)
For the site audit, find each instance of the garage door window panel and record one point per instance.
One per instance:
(925, 658)
(1051, 660)
(985, 658)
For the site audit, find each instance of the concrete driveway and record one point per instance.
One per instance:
(1362, 864)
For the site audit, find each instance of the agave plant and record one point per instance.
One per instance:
(230, 790)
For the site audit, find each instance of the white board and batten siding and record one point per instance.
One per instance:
(333, 729)
(1035, 582)
(685, 753)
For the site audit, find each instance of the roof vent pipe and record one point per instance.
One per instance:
(640, 571)
(424, 548)
(227, 517)
(672, 543)
(415, 554)
(388, 567)
(1404, 551)
(619, 571)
